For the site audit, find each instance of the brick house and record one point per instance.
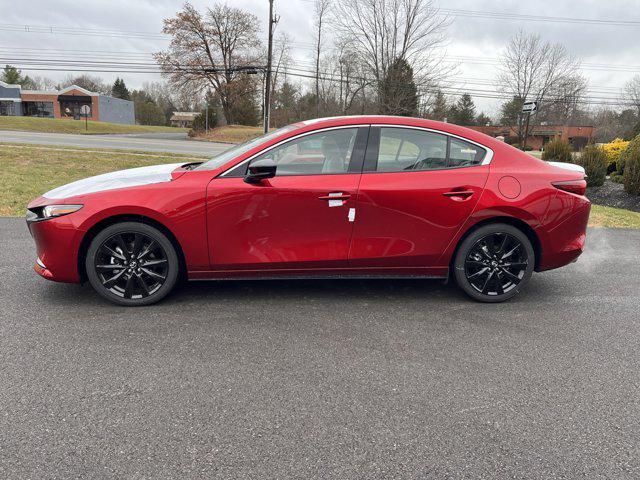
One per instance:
(578, 136)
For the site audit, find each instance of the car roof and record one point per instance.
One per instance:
(474, 135)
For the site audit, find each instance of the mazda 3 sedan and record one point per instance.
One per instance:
(359, 196)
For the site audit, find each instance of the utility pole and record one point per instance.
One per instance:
(267, 91)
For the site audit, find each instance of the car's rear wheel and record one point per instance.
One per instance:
(132, 264)
(494, 263)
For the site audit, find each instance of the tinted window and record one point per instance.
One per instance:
(319, 153)
(403, 149)
(465, 154)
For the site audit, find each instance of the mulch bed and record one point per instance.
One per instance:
(612, 194)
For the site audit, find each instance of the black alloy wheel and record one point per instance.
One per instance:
(494, 263)
(132, 264)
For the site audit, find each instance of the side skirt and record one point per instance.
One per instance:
(441, 273)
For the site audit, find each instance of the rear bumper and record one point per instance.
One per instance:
(565, 241)
(57, 241)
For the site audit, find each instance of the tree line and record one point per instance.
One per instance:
(373, 57)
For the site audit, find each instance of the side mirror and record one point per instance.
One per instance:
(261, 170)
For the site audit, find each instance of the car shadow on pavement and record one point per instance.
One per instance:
(271, 292)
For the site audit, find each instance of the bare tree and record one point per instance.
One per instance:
(533, 69)
(382, 31)
(321, 9)
(205, 51)
(281, 61)
(565, 101)
(631, 93)
(88, 82)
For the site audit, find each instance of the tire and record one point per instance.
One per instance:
(132, 264)
(494, 263)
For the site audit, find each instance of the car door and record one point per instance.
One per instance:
(417, 189)
(297, 220)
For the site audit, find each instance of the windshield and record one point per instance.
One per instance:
(243, 148)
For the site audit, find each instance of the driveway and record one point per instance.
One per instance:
(148, 142)
(324, 379)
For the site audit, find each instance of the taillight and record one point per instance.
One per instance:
(579, 187)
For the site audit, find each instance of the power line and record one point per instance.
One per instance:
(536, 18)
(477, 93)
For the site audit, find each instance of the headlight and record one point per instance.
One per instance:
(51, 211)
(38, 214)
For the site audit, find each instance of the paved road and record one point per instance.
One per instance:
(150, 142)
(324, 379)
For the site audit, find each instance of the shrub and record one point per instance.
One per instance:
(613, 150)
(593, 160)
(616, 178)
(199, 122)
(558, 151)
(631, 162)
(634, 132)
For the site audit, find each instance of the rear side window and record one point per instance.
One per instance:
(405, 150)
(465, 154)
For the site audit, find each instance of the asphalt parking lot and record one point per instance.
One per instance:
(324, 379)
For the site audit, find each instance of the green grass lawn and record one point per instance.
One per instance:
(27, 171)
(65, 125)
(613, 217)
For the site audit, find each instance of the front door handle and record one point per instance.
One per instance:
(459, 195)
(336, 196)
(336, 199)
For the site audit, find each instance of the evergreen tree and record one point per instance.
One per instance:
(510, 111)
(483, 119)
(464, 111)
(11, 75)
(398, 91)
(440, 109)
(147, 112)
(119, 90)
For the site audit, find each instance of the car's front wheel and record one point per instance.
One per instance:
(132, 264)
(494, 263)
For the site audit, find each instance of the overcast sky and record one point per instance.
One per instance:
(468, 37)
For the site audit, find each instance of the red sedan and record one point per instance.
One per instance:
(362, 196)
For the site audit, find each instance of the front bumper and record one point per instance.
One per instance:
(57, 243)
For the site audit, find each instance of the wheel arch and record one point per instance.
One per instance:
(521, 225)
(114, 219)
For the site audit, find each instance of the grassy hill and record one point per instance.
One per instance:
(64, 125)
(230, 134)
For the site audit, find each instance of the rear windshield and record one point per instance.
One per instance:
(243, 148)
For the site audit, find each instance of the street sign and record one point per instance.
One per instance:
(529, 107)
(85, 111)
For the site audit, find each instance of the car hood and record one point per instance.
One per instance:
(133, 177)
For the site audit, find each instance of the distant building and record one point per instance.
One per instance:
(540, 135)
(65, 103)
(183, 119)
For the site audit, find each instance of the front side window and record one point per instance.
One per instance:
(319, 153)
(243, 148)
(404, 149)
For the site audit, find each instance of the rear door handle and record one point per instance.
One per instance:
(460, 194)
